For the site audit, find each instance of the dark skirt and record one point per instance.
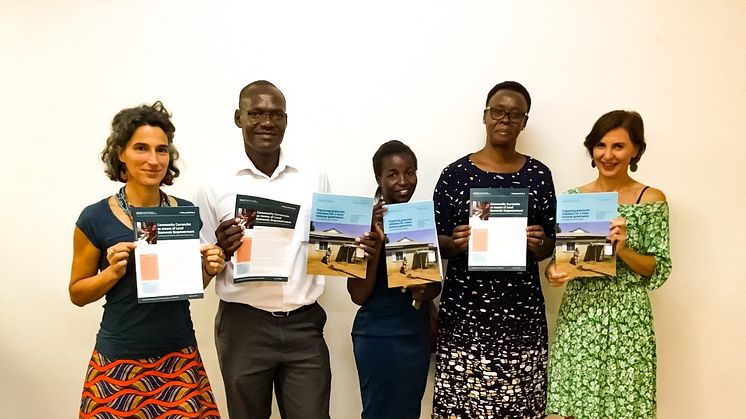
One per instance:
(171, 386)
(393, 374)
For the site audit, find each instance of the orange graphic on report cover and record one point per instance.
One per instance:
(243, 254)
(149, 267)
(479, 239)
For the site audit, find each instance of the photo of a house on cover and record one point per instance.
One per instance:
(336, 222)
(583, 247)
(168, 263)
(412, 254)
(498, 220)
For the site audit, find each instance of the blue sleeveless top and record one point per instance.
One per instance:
(388, 311)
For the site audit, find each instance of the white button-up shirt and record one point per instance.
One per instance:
(289, 183)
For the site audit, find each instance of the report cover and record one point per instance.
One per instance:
(336, 221)
(168, 262)
(264, 252)
(498, 218)
(412, 254)
(583, 247)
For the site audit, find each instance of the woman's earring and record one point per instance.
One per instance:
(593, 164)
(633, 166)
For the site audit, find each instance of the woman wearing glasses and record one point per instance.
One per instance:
(603, 361)
(492, 336)
(145, 363)
(389, 335)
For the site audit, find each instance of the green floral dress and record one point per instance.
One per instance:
(602, 364)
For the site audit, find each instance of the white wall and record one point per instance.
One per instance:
(355, 76)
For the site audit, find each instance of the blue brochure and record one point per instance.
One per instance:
(583, 247)
(336, 221)
(412, 254)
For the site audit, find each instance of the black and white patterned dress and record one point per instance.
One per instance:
(492, 336)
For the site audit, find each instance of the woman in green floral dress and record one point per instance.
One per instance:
(602, 364)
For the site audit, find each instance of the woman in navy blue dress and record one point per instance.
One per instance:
(389, 335)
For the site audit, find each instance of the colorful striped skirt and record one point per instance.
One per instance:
(168, 387)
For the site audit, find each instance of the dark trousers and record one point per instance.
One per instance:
(393, 374)
(258, 351)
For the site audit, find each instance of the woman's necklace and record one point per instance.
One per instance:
(121, 197)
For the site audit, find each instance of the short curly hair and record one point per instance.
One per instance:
(123, 127)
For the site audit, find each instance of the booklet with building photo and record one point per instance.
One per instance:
(498, 218)
(412, 254)
(336, 221)
(264, 253)
(168, 262)
(583, 247)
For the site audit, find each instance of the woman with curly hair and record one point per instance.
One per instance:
(145, 363)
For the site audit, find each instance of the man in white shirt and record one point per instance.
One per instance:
(267, 334)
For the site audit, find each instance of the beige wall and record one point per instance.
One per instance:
(354, 77)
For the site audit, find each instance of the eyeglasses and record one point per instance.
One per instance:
(257, 116)
(498, 114)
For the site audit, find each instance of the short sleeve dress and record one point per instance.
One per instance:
(492, 334)
(603, 362)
